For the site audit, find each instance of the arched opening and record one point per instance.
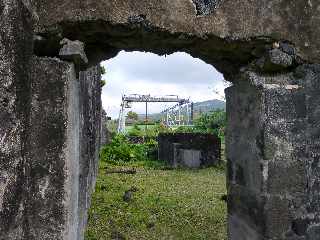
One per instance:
(264, 74)
(164, 201)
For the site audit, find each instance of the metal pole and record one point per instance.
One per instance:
(146, 121)
(123, 121)
(179, 116)
(191, 113)
(188, 114)
(120, 120)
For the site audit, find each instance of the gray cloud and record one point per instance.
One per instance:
(144, 73)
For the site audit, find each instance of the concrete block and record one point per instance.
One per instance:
(190, 158)
(277, 60)
(54, 152)
(73, 51)
(245, 135)
(278, 217)
(313, 232)
(189, 149)
(287, 178)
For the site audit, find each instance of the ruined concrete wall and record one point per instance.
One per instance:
(272, 184)
(306, 149)
(47, 140)
(189, 149)
(192, 22)
(54, 151)
(64, 148)
(65, 143)
(90, 139)
(15, 98)
(40, 135)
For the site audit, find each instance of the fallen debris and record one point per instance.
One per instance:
(121, 171)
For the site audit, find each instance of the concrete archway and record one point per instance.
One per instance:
(50, 107)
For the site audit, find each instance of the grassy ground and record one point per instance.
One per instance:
(166, 204)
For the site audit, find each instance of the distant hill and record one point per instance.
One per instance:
(198, 108)
(209, 105)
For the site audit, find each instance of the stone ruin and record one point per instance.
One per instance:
(189, 150)
(50, 108)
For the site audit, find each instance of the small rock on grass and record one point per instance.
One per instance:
(127, 197)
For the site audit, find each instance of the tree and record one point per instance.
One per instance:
(214, 122)
(132, 115)
(102, 70)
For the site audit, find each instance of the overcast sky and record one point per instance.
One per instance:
(147, 73)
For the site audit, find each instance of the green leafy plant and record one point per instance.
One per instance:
(212, 122)
(121, 150)
(135, 131)
(102, 70)
(132, 115)
(151, 146)
(102, 83)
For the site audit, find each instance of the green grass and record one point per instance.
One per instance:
(141, 126)
(168, 204)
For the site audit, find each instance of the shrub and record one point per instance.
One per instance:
(212, 122)
(121, 150)
(151, 147)
(135, 131)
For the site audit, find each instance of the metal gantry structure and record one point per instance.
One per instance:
(178, 115)
(174, 116)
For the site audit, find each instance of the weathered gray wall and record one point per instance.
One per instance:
(65, 142)
(15, 103)
(54, 151)
(90, 130)
(273, 184)
(42, 166)
(233, 31)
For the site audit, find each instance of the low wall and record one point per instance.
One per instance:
(192, 150)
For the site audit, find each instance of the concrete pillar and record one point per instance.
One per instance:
(54, 151)
(65, 141)
(90, 140)
(272, 151)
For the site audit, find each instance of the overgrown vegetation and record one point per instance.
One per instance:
(120, 150)
(162, 204)
(212, 122)
(132, 115)
(138, 197)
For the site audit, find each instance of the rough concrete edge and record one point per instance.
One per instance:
(72, 155)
